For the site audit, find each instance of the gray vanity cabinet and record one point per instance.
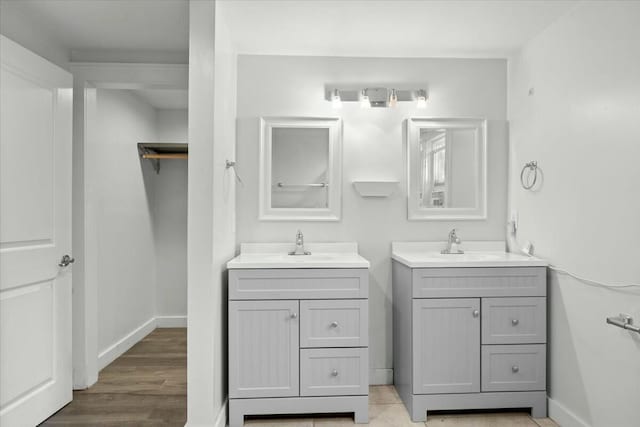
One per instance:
(446, 345)
(469, 338)
(298, 342)
(263, 336)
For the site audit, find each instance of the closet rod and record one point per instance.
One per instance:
(165, 156)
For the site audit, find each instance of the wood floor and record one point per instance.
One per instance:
(146, 386)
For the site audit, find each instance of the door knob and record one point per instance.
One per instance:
(294, 315)
(66, 260)
(476, 313)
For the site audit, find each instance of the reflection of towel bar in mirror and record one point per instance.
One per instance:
(321, 184)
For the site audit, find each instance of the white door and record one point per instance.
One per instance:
(35, 232)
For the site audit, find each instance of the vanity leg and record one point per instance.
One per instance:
(539, 410)
(418, 415)
(236, 417)
(361, 413)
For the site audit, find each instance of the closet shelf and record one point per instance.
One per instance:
(155, 151)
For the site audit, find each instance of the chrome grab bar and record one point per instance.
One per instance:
(623, 321)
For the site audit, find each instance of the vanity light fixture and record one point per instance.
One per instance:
(364, 99)
(383, 96)
(421, 97)
(393, 98)
(336, 101)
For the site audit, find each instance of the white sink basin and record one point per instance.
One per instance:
(275, 255)
(478, 254)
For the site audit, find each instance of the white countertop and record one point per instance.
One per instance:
(276, 255)
(476, 254)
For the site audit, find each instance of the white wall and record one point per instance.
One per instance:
(372, 149)
(122, 189)
(211, 211)
(581, 125)
(170, 222)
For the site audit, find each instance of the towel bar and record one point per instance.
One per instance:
(623, 321)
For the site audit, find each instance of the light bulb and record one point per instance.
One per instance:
(393, 98)
(336, 101)
(421, 99)
(364, 100)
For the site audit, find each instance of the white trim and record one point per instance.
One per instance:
(563, 416)
(171, 321)
(221, 419)
(87, 77)
(381, 376)
(121, 346)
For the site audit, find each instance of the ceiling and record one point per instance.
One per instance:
(400, 28)
(92, 29)
(107, 25)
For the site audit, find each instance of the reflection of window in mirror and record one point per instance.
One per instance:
(300, 161)
(433, 150)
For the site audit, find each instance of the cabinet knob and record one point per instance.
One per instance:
(515, 322)
(334, 324)
(294, 315)
(334, 373)
(515, 369)
(476, 313)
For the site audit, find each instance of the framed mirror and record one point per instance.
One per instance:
(300, 169)
(446, 169)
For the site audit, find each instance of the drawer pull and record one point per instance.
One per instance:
(334, 324)
(334, 373)
(515, 322)
(476, 313)
(294, 315)
(515, 369)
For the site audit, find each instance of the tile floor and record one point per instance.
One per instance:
(386, 410)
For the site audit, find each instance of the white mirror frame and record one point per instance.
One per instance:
(334, 173)
(417, 213)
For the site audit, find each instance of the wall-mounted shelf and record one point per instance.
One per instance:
(375, 188)
(156, 151)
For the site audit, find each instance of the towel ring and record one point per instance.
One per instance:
(532, 167)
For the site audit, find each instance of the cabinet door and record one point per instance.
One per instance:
(446, 345)
(263, 349)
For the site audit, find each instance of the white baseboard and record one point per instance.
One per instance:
(221, 419)
(171, 321)
(119, 347)
(563, 416)
(381, 376)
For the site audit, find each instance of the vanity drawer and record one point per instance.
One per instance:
(319, 283)
(334, 371)
(514, 320)
(514, 367)
(334, 323)
(479, 282)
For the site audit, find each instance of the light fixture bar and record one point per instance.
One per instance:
(379, 96)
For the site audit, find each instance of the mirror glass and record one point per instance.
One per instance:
(300, 169)
(446, 163)
(300, 162)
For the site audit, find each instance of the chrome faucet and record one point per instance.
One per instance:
(299, 245)
(453, 240)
